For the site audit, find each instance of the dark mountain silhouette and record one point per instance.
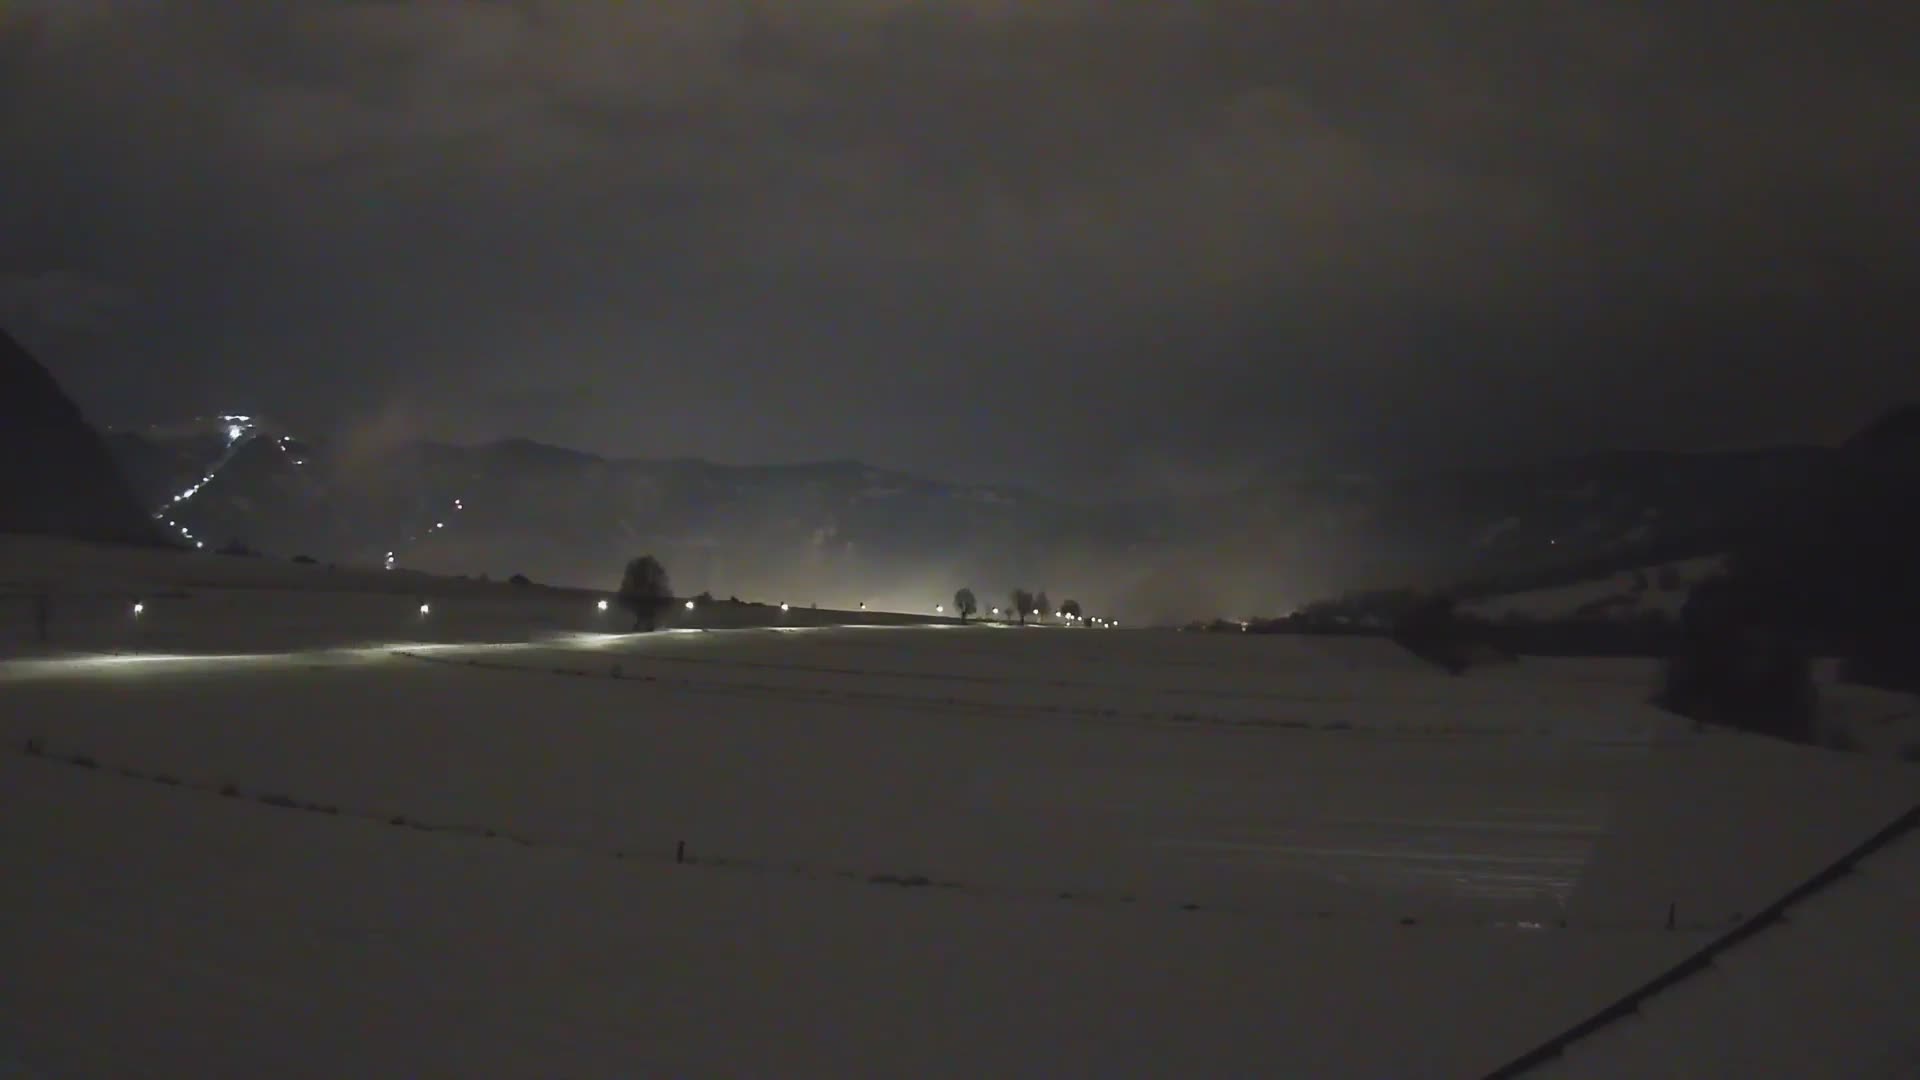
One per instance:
(56, 475)
(1841, 558)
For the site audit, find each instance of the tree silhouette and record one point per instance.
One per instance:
(1071, 609)
(645, 592)
(965, 604)
(1040, 605)
(1022, 604)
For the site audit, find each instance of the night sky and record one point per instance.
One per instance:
(1095, 245)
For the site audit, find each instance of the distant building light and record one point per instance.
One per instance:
(425, 608)
(602, 605)
(939, 608)
(784, 607)
(689, 605)
(138, 608)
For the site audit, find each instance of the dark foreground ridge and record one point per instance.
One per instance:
(56, 476)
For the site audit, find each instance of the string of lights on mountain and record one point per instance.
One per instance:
(241, 430)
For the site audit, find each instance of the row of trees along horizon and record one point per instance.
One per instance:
(646, 593)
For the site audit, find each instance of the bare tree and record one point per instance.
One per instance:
(1022, 604)
(1071, 609)
(1040, 605)
(965, 604)
(645, 592)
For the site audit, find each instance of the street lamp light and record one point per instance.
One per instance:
(602, 605)
(689, 605)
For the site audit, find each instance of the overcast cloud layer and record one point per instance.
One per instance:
(1106, 244)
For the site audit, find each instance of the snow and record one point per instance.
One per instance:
(1826, 991)
(1615, 592)
(915, 848)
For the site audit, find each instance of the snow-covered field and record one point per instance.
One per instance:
(289, 839)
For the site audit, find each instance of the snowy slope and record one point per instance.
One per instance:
(909, 849)
(1826, 990)
(1625, 595)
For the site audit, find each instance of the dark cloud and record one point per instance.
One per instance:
(1059, 241)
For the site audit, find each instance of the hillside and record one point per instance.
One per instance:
(56, 475)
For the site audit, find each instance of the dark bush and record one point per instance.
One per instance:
(1431, 630)
(519, 579)
(306, 560)
(645, 591)
(1739, 665)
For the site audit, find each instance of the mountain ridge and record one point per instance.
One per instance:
(853, 531)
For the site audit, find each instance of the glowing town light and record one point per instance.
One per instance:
(689, 605)
(602, 605)
(785, 607)
(425, 608)
(138, 608)
(996, 611)
(939, 608)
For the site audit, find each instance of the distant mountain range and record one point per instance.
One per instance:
(841, 532)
